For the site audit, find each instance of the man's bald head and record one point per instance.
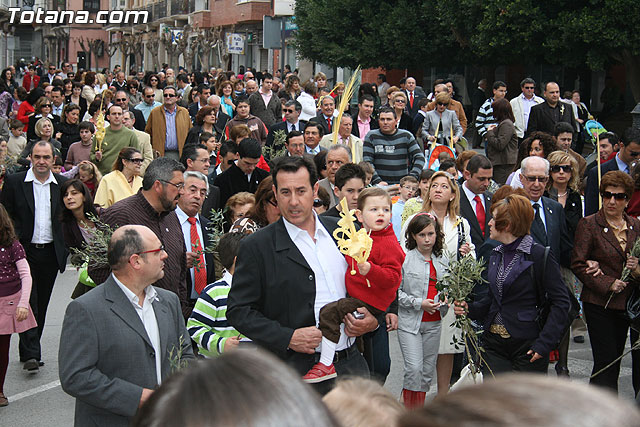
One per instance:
(125, 241)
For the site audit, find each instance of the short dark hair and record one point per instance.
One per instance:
(447, 164)
(294, 164)
(205, 136)
(166, 88)
(190, 152)
(562, 127)
(315, 124)
(57, 89)
(182, 78)
(202, 87)
(419, 223)
(42, 143)
(631, 135)
(609, 136)
(387, 109)
(349, 171)
(382, 77)
(120, 250)
(366, 97)
(498, 84)
(250, 148)
(295, 104)
(228, 147)
(477, 162)
(228, 248)
(320, 160)
(87, 126)
(527, 80)
(244, 99)
(423, 102)
(267, 76)
(160, 169)
(293, 134)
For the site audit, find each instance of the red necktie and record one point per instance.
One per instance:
(200, 273)
(329, 122)
(411, 99)
(480, 212)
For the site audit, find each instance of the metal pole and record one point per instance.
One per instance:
(282, 49)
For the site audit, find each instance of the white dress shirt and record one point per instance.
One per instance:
(42, 225)
(148, 317)
(526, 108)
(328, 265)
(471, 195)
(186, 234)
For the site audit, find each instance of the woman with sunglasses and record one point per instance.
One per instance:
(439, 123)
(123, 181)
(42, 109)
(135, 96)
(564, 180)
(153, 81)
(399, 104)
(607, 237)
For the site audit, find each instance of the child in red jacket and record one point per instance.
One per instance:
(372, 284)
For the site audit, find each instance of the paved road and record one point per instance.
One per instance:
(38, 400)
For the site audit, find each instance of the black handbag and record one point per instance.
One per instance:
(543, 305)
(633, 309)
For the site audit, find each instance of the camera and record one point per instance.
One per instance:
(358, 315)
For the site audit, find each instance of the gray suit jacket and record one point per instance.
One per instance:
(333, 199)
(106, 357)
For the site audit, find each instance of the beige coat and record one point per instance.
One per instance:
(355, 146)
(156, 128)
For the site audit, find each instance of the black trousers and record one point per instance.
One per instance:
(44, 270)
(376, 351)
(608, 331)
(504, 355)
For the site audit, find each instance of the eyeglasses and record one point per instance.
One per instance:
(179, 186)
(442, 104)
(153, 80)
(287, 110)
(121, 99)
(617, 196)
(273, 203)
(317, 203)
(161, 248)
(46, 105)
(149, 96)
(529, 87)
(400, 100)
(169, 95)
(136, 160)
(634, 153)
(541, 179)
(565, 168)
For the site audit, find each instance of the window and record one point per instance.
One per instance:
(91, 5)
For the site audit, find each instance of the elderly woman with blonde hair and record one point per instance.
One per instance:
(440, 123)
(443, 201)
(399, 104)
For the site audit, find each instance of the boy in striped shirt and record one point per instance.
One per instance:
(208, 325)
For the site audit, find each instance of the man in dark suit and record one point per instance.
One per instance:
(33, 201)
(292, 109)
(280, 283)
(629, 153)
(325, 117)
(122, 99)
(413, 96)
(244, 175)
(203, 92)
(196, 159)
(313, 133)
(543, 117)
(475, 201)
(363, 122)
(549, 227)
(196, 237)
(120, 341)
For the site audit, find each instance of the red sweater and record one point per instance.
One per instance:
(386, 259)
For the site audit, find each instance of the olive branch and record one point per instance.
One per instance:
(94, 251)
(278, 147)
(459, 280)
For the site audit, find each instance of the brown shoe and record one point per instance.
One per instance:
(3, 400)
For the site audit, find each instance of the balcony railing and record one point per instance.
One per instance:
(160, 10)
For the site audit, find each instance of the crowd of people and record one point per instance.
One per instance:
(221, 197)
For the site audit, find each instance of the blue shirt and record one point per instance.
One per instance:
(146, 108)
(171, 140)
(396, 217)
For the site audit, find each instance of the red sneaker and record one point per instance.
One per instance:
(320, 373)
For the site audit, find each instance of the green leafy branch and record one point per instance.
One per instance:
(278, 147)
(176, 362)
(459, 280)
(94, 251)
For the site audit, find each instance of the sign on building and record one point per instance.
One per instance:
(284, 7)
(235, 43)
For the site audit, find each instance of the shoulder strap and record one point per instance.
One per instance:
(540, 293)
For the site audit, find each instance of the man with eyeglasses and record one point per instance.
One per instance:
(148, 103)
(154, 207)
(292, 110)
(546, 115)
(168, 125)
(629, 153)
(122, 99)
(201, 265)
(50, 76)
(521, 105)
(549, 227)
(118, 340)
(32, 200)
(244, 175)
(116, 137)
(346, 138)
(485, 115)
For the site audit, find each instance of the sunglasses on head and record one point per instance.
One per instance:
(617, 196)
(565, 168)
